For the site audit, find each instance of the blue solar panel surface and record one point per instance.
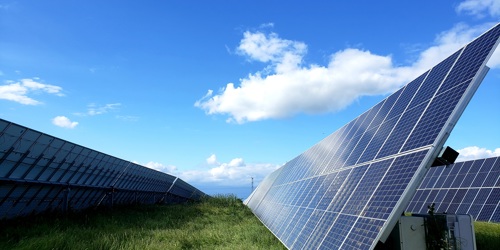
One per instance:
(471, 187)
(348, 190)
(40, 173)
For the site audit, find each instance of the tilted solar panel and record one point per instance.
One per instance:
(40, 173)
(349, 190)
(471, 187)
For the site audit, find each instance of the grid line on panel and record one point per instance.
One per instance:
(462, 188)
(25, 155)
(337, 139)
(317, 188)
(482, 198)
(398, 134)
(374, 179)
(69, 180)
(467, 203)
(320, 230)
(354, 138)
(393, 111)
(493, 174)
(348, 190)
(371, 115)
(495, 216)
(307, 229)
(309, 188)
(325, 151)
(332, 162)
(340, 203)
(335, 187)
(311, 157)
(32, 166)
(424, 110)
(460, 176)
(371, 180)
(481, 173)
(270, 180)
(337, 232)
(17, 143)
(439, 112)
(299, 220)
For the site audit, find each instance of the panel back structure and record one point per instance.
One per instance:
(471, 187)
(349, 190)
(41, 173)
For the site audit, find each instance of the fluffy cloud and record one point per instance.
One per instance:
(480, 8)
(285, 54)
(474, 153)
(234, 173)
(64, 122)
(19, 91)
(212, 160)
(169, 169)
(286, 87)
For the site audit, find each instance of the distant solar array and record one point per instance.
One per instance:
(40, 173)
(471, 187)
(349, 190)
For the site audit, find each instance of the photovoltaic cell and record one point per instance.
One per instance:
(470, 187)
(40, 173)
(349, 190)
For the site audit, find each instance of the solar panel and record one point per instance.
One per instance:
(471, 187)
(349, 190)
(40, 173)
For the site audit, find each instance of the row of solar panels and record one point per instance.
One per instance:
(349, 190)
(40, 173)
(471, 187)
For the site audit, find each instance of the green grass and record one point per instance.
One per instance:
(222, 222)
(487, 235)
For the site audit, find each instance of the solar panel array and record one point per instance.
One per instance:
(471, 187)
(40, 173)
(349, 190)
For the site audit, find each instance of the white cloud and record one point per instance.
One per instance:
(234, 173)
(94, 109)
(270, 48)
(169, 169)
(64, 122)
(212, 160)
(286, 87)
(19, 91)
(474, 153)
(267, 25)
(480, 8)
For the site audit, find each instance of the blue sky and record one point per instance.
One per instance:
(217, 92)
